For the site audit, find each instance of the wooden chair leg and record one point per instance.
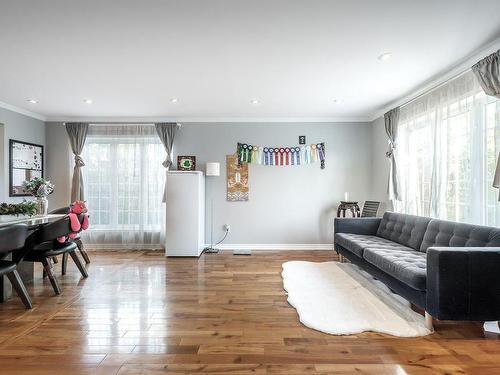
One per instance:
(428, 322)
(79, 264)
(20, 289)
(47, 266)
(85, 256)
(50, 260)
(64, 265)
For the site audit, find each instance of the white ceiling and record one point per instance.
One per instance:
(295, 57)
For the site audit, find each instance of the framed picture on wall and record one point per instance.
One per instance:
(25, 163)
(186, 163)
(236, 179)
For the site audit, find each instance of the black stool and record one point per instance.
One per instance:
(12, 240)
(42, 246)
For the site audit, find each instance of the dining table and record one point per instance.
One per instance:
(26, 269)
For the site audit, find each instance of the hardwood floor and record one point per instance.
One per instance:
(139, 313)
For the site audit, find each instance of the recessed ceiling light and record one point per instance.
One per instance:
(255, 101)
(337, 101)
(174, 100)
(32, 101)
(88, 101)
(385, 56)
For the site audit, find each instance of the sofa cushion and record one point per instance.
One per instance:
(408, 267)
(407, 230)
(356, 243)
(442, 233)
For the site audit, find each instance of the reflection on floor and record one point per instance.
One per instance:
(141, 313)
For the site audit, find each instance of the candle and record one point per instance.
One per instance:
(346, 196)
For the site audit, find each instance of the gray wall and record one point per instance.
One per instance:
(2, 162)
(22, 128)
(291, 205)
(288, 205)
(58, 161)
(380, 164)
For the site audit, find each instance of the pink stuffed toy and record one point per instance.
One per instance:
(76, 208)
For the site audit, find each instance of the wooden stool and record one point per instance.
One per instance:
(352, 206)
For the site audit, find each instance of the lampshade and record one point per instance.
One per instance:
(213, 169)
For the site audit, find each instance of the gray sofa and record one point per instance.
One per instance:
(450, 270)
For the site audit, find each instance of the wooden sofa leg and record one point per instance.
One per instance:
(341, 258)
(428, 322)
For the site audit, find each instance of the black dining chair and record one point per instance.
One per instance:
(42, 246)
(77, 240)
(12, 239)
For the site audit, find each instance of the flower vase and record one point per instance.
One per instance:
(42, 207)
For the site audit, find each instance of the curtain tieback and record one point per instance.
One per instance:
(79, 161)
(390, 152)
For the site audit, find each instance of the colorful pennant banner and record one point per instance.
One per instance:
(282, 155)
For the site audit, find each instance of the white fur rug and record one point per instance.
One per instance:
(340, 299)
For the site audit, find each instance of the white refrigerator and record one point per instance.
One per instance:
(185, 232)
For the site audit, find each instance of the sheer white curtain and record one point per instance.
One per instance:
(124, 181)
(448, 143)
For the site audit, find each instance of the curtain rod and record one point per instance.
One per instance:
(99, 123)
(435, 87)
(464, 66)
(121, 123)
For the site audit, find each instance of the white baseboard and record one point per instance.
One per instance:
(280, 246)
(118, 246)
(277, 246)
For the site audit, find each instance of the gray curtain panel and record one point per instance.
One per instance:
(77, 133)
(391, 119)
(487, 72)
(166, 132)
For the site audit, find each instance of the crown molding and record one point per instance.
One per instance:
(241, 120)
(21, 111)
(461, 67)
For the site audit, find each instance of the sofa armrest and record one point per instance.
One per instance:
(463, 283)
(360, 225)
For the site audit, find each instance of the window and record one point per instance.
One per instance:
(447, 150)
(124, 181)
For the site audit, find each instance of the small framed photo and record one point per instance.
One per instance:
(302, 139)
(186, 163)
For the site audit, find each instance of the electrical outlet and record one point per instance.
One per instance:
(227, 228)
